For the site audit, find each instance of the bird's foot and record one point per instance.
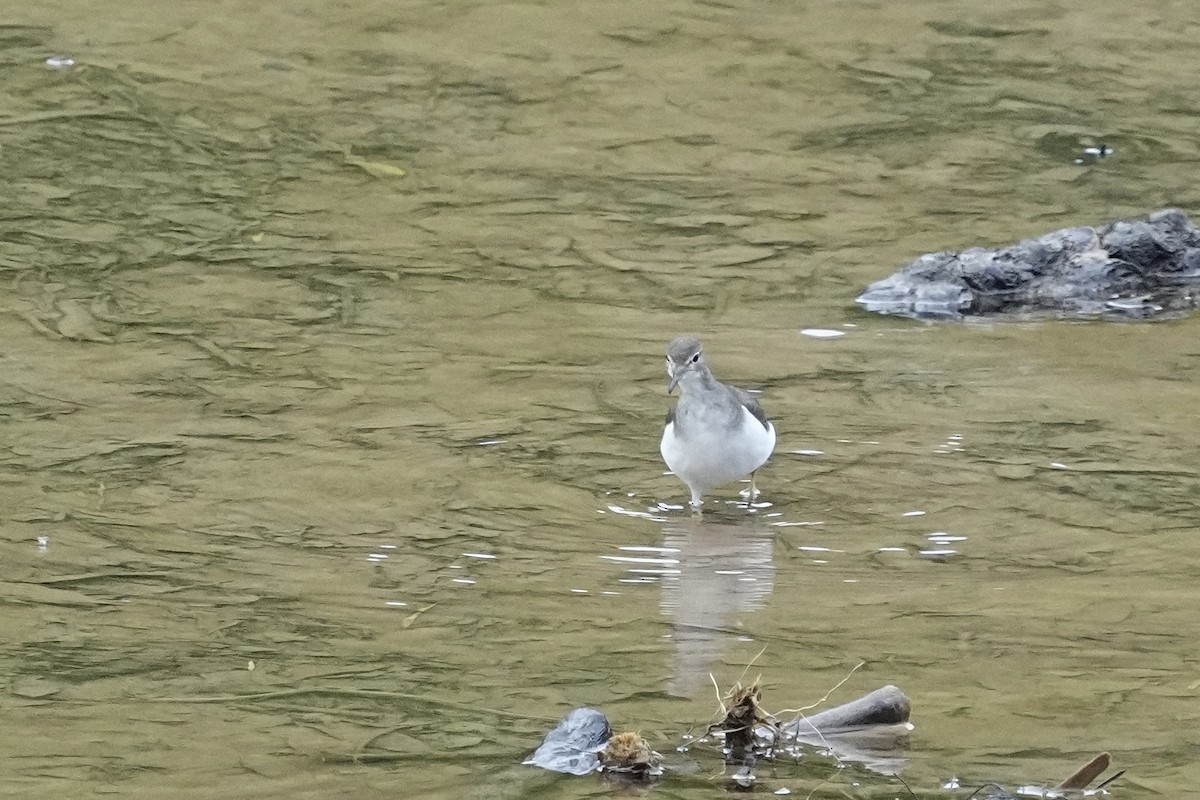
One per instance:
(752, 493)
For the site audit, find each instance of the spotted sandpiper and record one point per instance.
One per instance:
(716, 433)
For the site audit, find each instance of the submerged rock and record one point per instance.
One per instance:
(574, 746)
(1131, 268)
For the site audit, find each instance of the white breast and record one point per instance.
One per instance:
(710, 455)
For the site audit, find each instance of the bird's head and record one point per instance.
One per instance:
(684, 357)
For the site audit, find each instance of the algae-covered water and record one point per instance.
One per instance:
(332, 384)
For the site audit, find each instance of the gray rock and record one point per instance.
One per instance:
(1130, 268)
(573, 746)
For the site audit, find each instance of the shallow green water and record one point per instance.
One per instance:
(323, 480)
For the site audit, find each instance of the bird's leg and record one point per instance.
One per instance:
(750, 493)
(695, 503)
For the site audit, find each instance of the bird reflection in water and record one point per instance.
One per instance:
(725, 570)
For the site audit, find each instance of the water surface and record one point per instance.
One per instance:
(333, 384)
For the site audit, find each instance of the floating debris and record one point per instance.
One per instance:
(1082, 777)
(743, 714)
(630, 753)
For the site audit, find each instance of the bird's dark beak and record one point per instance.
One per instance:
(673, 374)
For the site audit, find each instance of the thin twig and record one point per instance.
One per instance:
(825, 742)
(837, 686)
(720, 697)
(911, 793)
(749, 665)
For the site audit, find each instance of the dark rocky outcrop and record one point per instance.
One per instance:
(1129, 268)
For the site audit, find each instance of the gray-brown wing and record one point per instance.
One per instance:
(670, 416)
(751, 404)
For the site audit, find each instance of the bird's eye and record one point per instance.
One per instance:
(696, 357)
